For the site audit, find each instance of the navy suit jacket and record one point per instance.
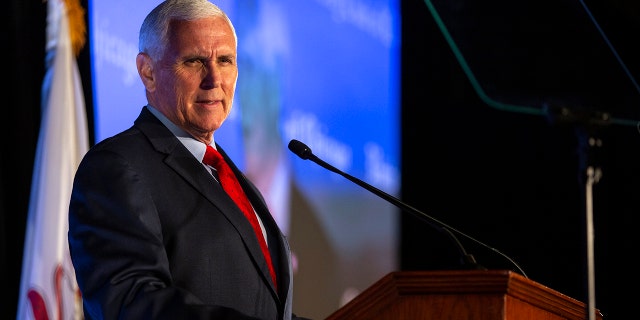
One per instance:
(153, 236)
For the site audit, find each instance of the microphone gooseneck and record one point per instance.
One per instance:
(468, 261)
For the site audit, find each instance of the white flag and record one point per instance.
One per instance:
(48, 289)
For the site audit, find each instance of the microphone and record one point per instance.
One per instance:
(468, 261)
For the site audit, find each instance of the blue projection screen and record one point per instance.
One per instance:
(324, 72)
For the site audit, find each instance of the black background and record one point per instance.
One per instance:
(512, 181)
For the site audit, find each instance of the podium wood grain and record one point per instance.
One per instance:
(459, 295)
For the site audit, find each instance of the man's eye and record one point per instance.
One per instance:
(194, 62)
(226, 60)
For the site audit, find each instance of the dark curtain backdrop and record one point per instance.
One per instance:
(23, 24)
(512, 180)
(24, 27)
(508, 180)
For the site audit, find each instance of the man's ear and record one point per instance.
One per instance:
(145, 70)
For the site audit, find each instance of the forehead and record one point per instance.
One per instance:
(208, 30)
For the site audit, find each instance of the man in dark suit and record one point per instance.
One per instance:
(152, 234)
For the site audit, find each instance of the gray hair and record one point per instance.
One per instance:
(153, 37)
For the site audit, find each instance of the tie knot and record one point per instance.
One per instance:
(212, 157)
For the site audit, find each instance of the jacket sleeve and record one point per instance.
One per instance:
(116, 245)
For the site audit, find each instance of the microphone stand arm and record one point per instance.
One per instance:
(468, 259)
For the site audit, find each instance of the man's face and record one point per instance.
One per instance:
(195, 79)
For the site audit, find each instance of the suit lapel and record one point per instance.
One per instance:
(278, 245)
(179, 159)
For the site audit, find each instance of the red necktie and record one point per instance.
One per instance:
(231, 185)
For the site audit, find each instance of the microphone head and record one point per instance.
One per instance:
(300, 149)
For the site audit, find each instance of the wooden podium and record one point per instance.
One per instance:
(460, 294)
